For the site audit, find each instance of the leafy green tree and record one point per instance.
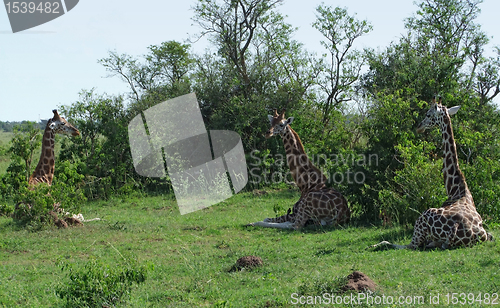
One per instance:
(27, 139)
(258, 67)
(103, 153)
(442, 53)
(233, 26)
(342, 63)
(163, 70)
(487, 83)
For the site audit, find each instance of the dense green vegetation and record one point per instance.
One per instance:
(356, 112)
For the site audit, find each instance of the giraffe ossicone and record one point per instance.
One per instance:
(319, 203)
(456, 223)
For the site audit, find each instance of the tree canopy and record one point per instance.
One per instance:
(349, 104)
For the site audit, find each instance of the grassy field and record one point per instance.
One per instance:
(192, 256)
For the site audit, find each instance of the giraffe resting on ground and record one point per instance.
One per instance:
(317, 202)
(456, 223)
(44, 171)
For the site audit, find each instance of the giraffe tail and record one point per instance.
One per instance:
(386, 243)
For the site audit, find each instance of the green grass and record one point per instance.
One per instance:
(193, 254)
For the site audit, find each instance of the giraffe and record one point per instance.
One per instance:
(317, 202)
(44, 171)
(456, 223)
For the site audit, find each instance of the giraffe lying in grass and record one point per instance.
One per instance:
(317, 202)
(44, 171)
(456, 223)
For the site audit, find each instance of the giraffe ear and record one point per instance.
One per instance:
(453, 110)
(270, 117)
(289, 120)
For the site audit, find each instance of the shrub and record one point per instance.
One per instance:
(34, 206)
(99, 285)
(6, 210)
(417, 186)
(483, 177)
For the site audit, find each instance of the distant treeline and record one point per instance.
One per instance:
(9, 126)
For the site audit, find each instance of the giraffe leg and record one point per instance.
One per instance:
(283, 225)
(482, 234)
(326, 221)
(388, 244)
(433, 244)
(283, 222)
(420, 231)
(302, 214)
(451, 238)
(287, 217)
(419, 235)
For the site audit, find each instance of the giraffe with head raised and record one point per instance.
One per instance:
(456, 223)
(317, 202)
(44, 171)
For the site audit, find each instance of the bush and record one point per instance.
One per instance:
(12, 180)
(417, 186)
(483, 179)
(6, 210)
(34, 205)
(98, 284)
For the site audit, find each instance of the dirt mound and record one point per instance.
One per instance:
(247, 262)
(359, 282)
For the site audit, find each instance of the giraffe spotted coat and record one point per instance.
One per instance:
(456, 223)
(318, 203)
(44, 171)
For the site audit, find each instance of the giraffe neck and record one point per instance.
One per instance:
(454, 180)
(305, 174)
(44, 171)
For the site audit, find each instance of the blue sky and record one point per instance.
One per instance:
(47, 66)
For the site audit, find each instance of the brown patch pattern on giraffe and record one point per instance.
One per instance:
(457, 223)
(318, 203)
(44, 171)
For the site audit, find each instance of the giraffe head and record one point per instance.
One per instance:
(278, 123)
(59, 125)
(436, 115)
